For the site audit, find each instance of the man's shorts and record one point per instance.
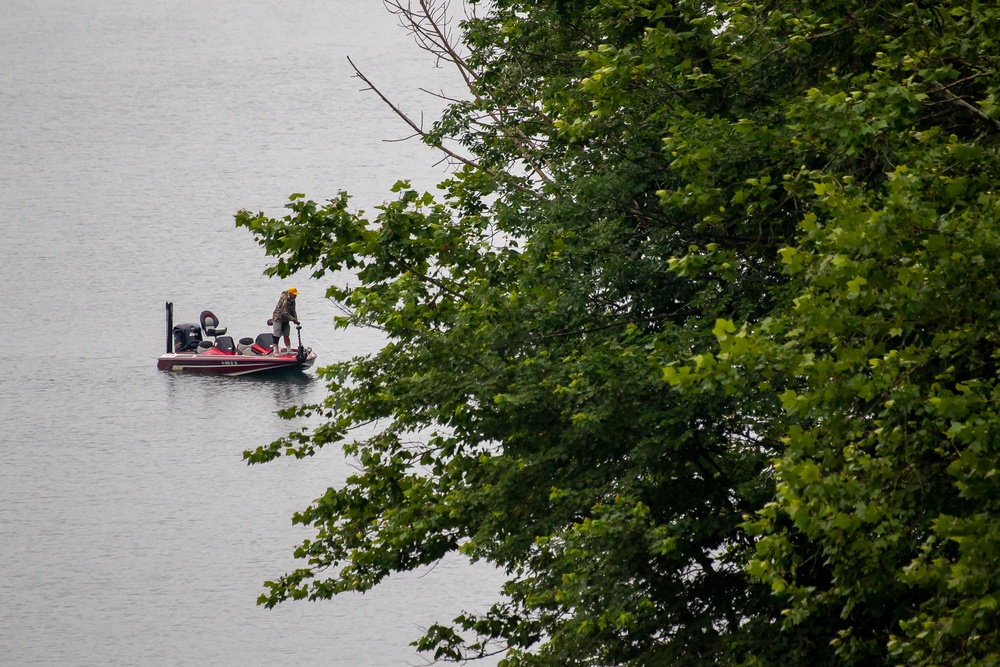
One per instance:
(281, 328)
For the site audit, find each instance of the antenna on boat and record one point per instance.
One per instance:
(170, 327)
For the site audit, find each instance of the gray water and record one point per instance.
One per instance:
(131, 531)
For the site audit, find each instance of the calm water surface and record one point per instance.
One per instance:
(131, 531)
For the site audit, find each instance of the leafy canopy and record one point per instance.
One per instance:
(697, 344)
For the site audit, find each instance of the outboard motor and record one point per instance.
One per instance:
(186, 337)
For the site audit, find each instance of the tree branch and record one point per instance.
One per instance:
(429, 26)
(406, 119)
(955, 99)
(433, 281)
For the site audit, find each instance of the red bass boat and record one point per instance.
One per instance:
(189, 351)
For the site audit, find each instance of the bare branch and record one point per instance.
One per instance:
(409, 121)
(419, 131)
(955, 99)
(428, 22)
(430, 28)
(401, 139)
(441, 95)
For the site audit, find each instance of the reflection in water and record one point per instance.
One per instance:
(283, 388)
(281, 377)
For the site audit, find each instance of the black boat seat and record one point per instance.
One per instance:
(210, 323)
(225, 343)
(245, 346)
(265, 340)
(204, 346)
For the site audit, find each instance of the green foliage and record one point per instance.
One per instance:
(699, 348)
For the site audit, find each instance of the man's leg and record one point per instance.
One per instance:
(275, 335)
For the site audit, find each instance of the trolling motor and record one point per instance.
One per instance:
(300, 355)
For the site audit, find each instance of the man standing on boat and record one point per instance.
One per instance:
(284, 313)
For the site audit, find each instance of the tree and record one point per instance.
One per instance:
(686, 344)
(891, 445)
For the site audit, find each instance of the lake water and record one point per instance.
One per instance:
(131, 531)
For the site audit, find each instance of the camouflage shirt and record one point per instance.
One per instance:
(285, 310)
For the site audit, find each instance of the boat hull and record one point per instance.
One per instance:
(231, 364)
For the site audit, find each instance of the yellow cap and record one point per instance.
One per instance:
(292, 290)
